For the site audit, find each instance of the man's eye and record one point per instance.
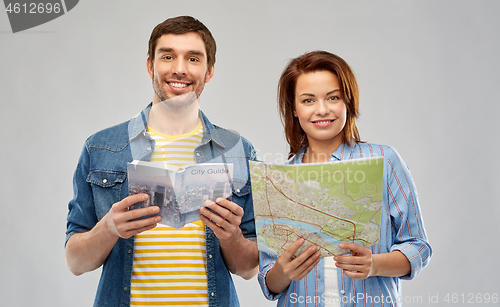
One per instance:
(193, 60)
(166, 57)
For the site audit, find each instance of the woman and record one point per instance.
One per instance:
(318, 101)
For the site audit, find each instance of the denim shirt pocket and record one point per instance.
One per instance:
(242, 188)
(106, 189)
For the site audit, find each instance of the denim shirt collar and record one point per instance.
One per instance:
(138, 125)
(211, 133)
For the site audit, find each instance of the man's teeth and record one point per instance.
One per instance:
(179, 85)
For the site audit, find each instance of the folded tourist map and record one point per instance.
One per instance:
(324, 203)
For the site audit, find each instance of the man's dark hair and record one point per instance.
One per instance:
(183, 25)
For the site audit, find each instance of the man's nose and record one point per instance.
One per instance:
(180, 67)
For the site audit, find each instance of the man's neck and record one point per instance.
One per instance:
(173, 121)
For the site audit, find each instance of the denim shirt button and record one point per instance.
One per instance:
(212, 294)
(104, 180)
(237, 190)
(129, 251)
(125, 288)
(149, 148)
(210, 256)
(198, 154)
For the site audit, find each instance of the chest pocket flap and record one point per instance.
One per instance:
(106, 179)
(241, 188)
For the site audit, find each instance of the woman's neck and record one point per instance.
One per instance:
(318, 152)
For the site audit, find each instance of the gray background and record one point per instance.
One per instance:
(428, 73)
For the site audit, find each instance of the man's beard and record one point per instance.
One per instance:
(177, 102)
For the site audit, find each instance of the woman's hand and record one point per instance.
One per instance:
(359, 265)
(288, 267)
(363, 264)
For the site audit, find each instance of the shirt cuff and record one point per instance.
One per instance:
(413, 255)
(261, 277)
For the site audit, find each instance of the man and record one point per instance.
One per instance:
(145, 263)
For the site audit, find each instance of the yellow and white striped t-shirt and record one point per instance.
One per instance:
(176, 150)
(169, 266)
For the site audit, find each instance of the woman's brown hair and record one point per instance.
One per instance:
(310, 62)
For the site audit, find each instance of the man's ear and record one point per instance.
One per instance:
(210, 74)
(149, 67)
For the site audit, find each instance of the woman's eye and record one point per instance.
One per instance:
(307, 101)
(334, 98)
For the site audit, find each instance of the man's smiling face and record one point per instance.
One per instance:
(179, 67)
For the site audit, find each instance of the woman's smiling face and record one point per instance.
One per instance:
(320, 107)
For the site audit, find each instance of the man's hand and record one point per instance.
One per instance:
(124, 222)
(288, 268)
(241, 255)
(87, 251)
(224, 218)
(359, 265)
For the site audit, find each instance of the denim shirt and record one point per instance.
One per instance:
(100, 180)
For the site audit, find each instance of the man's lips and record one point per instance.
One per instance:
(177, 85)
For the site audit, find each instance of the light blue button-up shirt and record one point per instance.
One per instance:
(402, 229)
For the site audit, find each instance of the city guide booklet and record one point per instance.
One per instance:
(324, 203)
(179, 192)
